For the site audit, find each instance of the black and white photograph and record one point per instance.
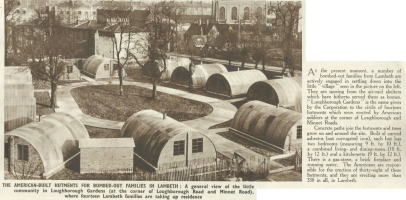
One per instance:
(156, 90)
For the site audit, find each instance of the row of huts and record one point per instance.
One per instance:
(215, 78)
(252, 84)
(147, 136)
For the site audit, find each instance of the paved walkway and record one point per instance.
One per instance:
(222, 112)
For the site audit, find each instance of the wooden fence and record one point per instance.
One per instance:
(298, 161)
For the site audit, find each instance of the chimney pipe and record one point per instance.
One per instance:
(164, 115)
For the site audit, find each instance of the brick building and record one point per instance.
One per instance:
(106, 155)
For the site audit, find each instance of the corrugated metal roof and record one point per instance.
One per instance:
(93, 63)
(151, 133)
(55, 138)
(200, 75)
(298, 105)
(266, 122)
(236, 83)
(171, 65)
(106, 142)
(276, 91)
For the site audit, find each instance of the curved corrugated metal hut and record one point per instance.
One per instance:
(162, 142)
(181, 75)
(298, 105)
(171, 65)
(50, 142)
(275, 125)
(97, 66)
(19, 100)
(282, 92)
(233, 83)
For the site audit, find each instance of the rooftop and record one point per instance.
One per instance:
(106, 142)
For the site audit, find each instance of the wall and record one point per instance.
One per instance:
(240, 5)
(75, 75)
(114, 160)
(137, 44)
(34, 162)
(291, 142)
(104, 46)
(101, 72)
(208, 154)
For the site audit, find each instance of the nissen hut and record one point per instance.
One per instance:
(41, 149)
(283, 92)
(161, 141)
(233, 84)
(97, 66)
(19, 100)
(277, 127)
(181, 75)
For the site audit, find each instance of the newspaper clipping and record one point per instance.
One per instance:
(206, 99)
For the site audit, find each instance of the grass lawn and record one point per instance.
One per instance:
(43, 103)
(104, 102)
(41, 85)
(134, 74)
(248, 144)
(289, 161)
(102, 133)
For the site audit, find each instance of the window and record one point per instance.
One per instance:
(69, 69)
(106, 67)
(79, 13)
(179, 148)
(197, 145)
(22, 152)
(269, 11)
(222, 13)
(259, 13)
(7, 150)
(234, 13)
(115, 66)
(299, 132)
(246, 13)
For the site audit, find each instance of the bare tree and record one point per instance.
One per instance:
(26, 170)
(244, 48)
(11, 18)
(287, 19)
(231, 45)
(122, 29)
(161, 30)
(261, 43)
(43, 44)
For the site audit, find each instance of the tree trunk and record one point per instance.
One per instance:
(263, 65)
(243, 62)
(256, 63)
(154, 87)
(120, 77)
(53, 95)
